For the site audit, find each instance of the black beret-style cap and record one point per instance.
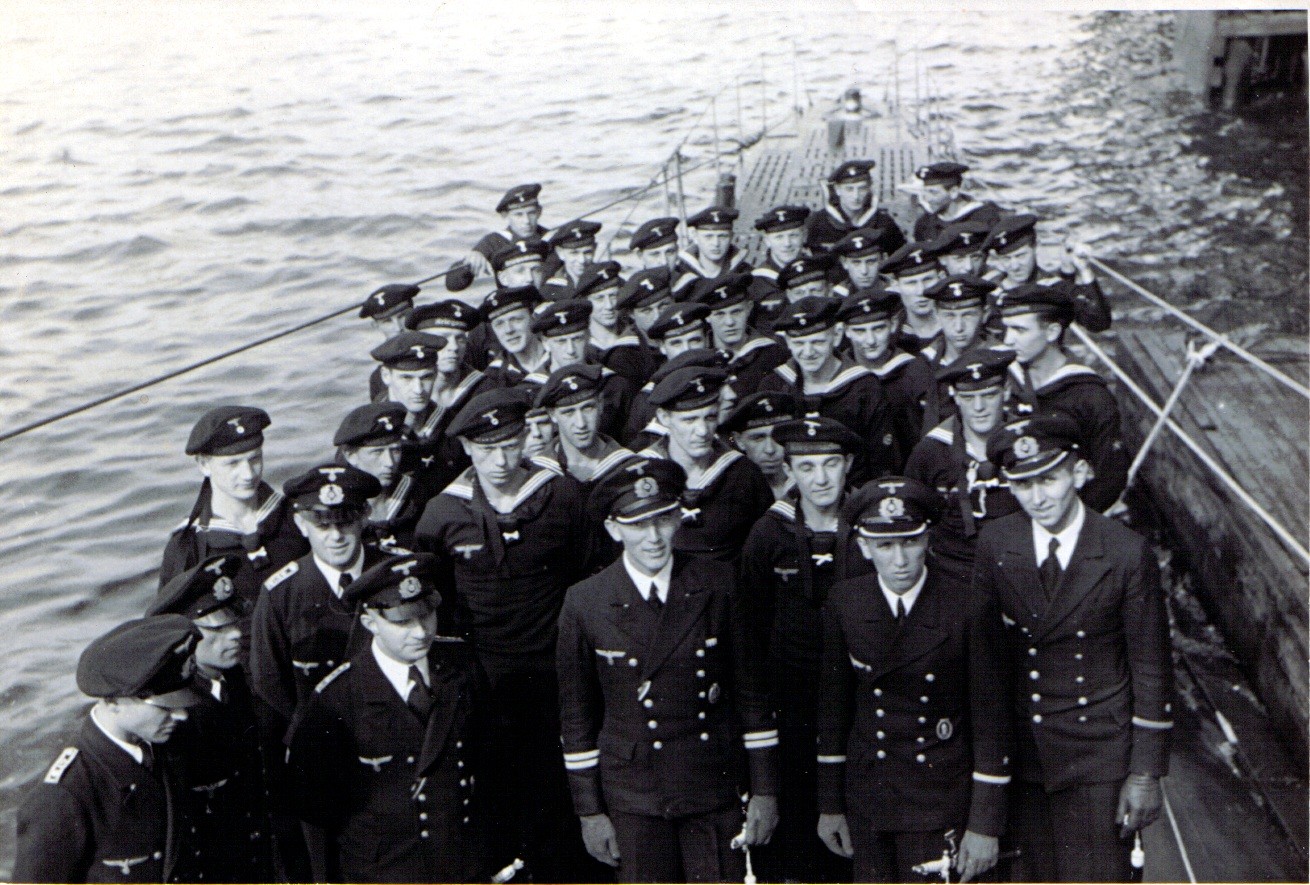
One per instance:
(911, 259)
(677, 319)
(941, 173)
(1052, 301)
(531, 249)
(646, 287)
(717, 293)
(570, 385)
(863, 242)
(653, 233)
(1031, 446)
(228, 430)
(143, 658)
(811, 314)
(962, 288)
(781, 218)
(376, 424)
(977, 368)
(201, 589)
(691, 387)
(409, 350)
(817, 436)
(599, 276)
(868, 305)
(492, 416)
(851, 170)
(575, 234)
(962, 238)
(639, 489)
(1010, 232)
(395, 581)
(763, 408)
(519, 195)
(449, 314)
(705, 357)
(562, 317)
(338, 492)
(505, 299)
(714, 217)
(388, 300)
(893, 507)
(806, 269)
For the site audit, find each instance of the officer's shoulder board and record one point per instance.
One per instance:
(448, 639)
(56, 772)
(331, 677)
(281, 575)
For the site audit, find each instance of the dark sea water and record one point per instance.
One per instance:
(176, 179)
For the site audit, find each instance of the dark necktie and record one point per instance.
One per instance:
(420, 696)
(653, 599)
(147, 755)
(900, 611)
(343, 582)
(1051, 570)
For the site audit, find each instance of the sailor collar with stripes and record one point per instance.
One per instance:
(462, 390)
(847, 374)
(724, 458)
(731, 260)
(511, 365)
(615, 455)
(208, 522)
(466, 487)
(892, 363)
(1064, 373)
(388, 506)
(945, 433)
(753, 344)
(840, 217)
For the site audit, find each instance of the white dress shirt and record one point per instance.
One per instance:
(397, 673)
(908, 597)
(1068, 538)
(332, 574)
(643, 581)
(132, 750)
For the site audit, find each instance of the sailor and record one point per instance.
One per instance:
(108, 809)
(439, 459)
(514, 534)
(387, 307)
(944, 203)
(372, 439)
(223, 795)
(910, 272)
(236, 511)
(1087, 630)
(792, 557)
(563, 329)
(1044, 377)
(655, 243)
(782, 229)
(613, 342)
(806, 278)
(1011, 252)
(753, 355)
(851, 204)
(542, 440)
(959, 302)
(872, 318)
(657, 686)
(830, 385)
(712, 254)
(301, 626)
(508, 313)
(725, 492)
(409, 371)
(644, 297)
(520, 209)
(750, 428)
(952, 458)
(861, 253)
(643, 428)
(914, 735)
(385, 748)
(575, 248)
(959, 247)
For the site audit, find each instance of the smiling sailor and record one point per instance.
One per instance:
(106, 810)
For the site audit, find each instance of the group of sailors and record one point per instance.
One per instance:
(636, 567)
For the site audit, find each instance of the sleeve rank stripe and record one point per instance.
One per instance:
(1156, 724)
(991, 778)
(831, 760)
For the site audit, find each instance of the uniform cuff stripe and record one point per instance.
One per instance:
(832, 759)
(991, 778)
(1158, 725)
(580, 766)
(582, 756)
(759, 740)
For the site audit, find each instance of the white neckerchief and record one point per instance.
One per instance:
(1068, 538)
(908, 597)
(332, 574)
(643, 581)
(132, 750)
(397, 673)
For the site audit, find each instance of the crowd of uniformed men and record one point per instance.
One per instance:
(637, 566)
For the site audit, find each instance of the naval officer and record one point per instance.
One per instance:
(1088, 636)
(109, 808)
(658, 695)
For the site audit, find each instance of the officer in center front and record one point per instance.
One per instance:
(657, 687)
(914, 728)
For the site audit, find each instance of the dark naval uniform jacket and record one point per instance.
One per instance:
(718, 512)
(928, 225)
(974, 491)
(396, 513)
(1082, 393)
(907, 383)
(629, 357)
(100, 816)
(656, 706)
(510, 570)
(823, 229)
(433, 456)
(759, 356)
(1093, 674)
(395, 795)
(688, 269)
(914, 724)
(765, 293)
